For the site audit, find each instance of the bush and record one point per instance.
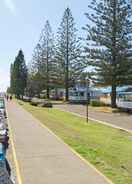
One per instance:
(96, 103)
(41, 103)
(34, 101)
(26, 99)
(47, 104)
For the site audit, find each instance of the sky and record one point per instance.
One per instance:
(21, 22)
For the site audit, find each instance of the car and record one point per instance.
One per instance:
(5, 172)
(2, 107)
(2, 152)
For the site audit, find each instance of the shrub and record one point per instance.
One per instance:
(47, 104)
(96, 103)
(26, 99)
(34, 101)
(41, 102)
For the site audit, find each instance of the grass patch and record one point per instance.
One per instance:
(109, 149)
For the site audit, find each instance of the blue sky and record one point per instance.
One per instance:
(21, 22)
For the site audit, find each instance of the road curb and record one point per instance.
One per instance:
(99, 121)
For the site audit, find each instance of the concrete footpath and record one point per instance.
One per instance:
(41, 158)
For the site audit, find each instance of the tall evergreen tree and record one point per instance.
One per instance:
(46, 63)
(19, 75)
(34, 84)
(109, 43)
(68, 52)
(37, 62)
(36, 80)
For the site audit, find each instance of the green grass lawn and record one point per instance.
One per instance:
(109, 149)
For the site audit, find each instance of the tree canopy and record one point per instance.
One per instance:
(69, 51)
(109, 43)
(19, 75)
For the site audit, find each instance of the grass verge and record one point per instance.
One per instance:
(109, 149)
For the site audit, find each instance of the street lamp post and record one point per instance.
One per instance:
(87, 99)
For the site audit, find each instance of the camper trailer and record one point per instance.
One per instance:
(124, 96)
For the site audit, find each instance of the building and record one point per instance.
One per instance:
(80, 93)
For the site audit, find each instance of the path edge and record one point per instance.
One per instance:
(70, 148)
(17, 165)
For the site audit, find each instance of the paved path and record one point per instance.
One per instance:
(118, 119)
(43, 158)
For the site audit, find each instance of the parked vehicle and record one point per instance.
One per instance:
(2, 106)
(124, 97)
(2, 152)
(5, 172)
(124, 100)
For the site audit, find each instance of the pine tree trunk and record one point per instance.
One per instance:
(48, 93)
(113, 97)
(67, 94)
(67, 66)
(47, 63)
(113, 93)
(67, 79)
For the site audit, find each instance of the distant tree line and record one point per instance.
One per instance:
(59, 61)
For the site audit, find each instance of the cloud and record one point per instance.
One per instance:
(11, 6)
